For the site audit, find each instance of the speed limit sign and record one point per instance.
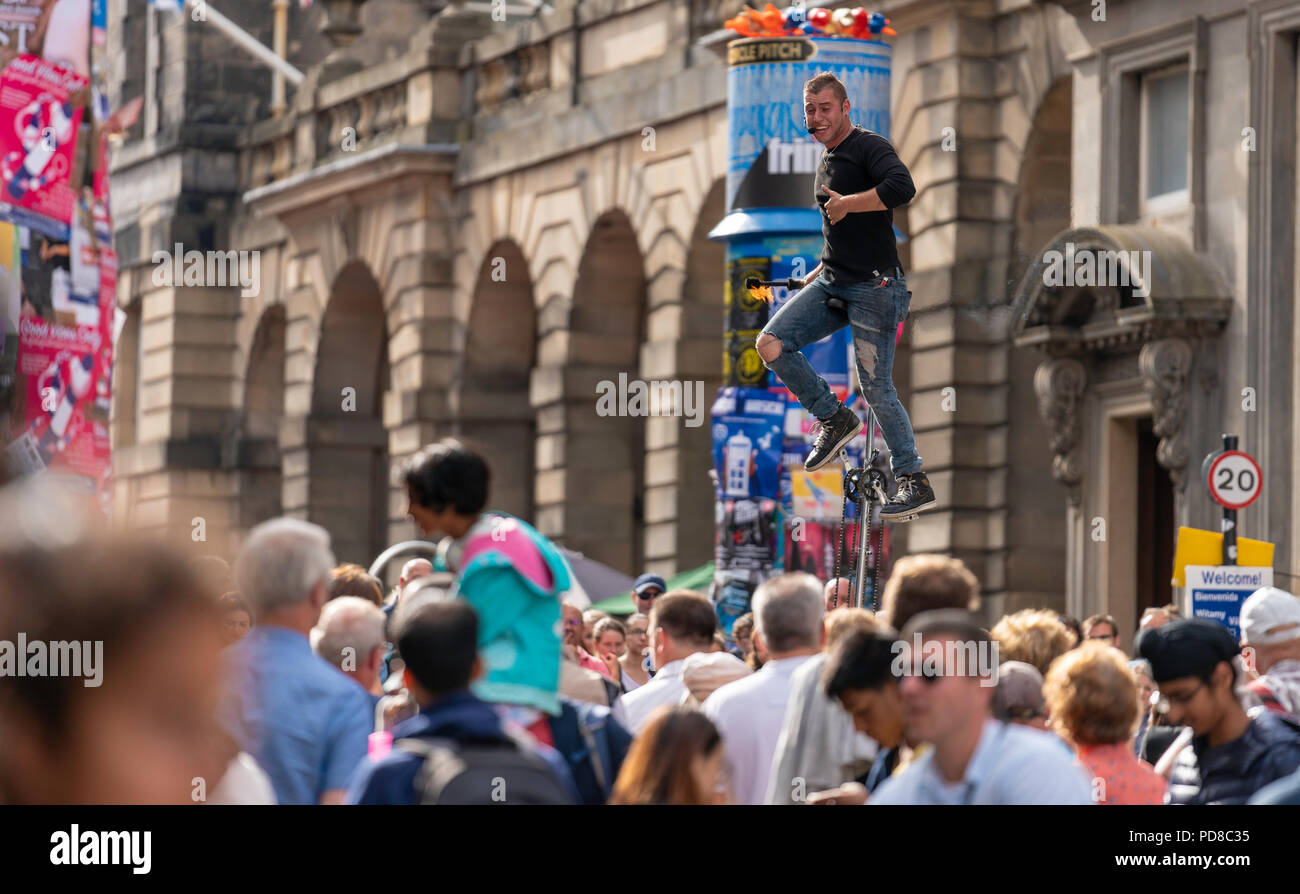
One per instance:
(1235, 480)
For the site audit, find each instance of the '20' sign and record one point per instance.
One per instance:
(1235, 480)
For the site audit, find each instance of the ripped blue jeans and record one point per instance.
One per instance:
(874, 311)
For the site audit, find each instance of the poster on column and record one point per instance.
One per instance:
(57, 414)
(41, 106)
(65, 372)
(58, 31)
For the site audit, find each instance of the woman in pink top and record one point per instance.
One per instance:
(1093, 699)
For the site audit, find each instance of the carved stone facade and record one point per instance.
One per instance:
(1060, 384)
(1166, 366)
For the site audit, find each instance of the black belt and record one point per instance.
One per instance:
(892, 271)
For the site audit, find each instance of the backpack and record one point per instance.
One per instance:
(593, 744)
(482, 772)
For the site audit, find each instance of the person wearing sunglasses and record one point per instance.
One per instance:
(645, 589)
(974, 758)
(1103, 628)
(1232, 755)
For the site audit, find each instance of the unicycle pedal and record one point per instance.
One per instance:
(901, 518)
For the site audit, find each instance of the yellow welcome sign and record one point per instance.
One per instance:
(1197, 547)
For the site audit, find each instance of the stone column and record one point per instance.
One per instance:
(948, 75)
(177, 478)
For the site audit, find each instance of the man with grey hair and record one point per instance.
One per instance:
(306, 724)
(750, 712)
(350, 636)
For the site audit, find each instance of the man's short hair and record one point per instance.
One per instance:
(447, 473)
(409, 572)
(1100, 619)
(686, 616)
(281, 562)
(349, 622)
(819, 82)
(844, 620)
(350, 579)
(1092, 695)
(926, 582)
(606, 624)
(861, 660)
(1151, 612)
(438, 640)
(1034, 636)
(788, 611)
(952, 622)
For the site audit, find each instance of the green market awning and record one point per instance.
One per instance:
(697, 579)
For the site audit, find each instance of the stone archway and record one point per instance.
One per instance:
(702, 311)
(260, 479)
(346, 442)
(493, 409)
(1036, 532)
(604, 455)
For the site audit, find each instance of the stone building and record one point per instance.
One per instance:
(465, 225)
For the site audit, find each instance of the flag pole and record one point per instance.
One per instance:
(255, 48)
(279, 38)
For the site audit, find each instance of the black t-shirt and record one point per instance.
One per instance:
(862, 241)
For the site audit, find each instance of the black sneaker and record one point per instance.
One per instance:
(914, 494)
(834, 434)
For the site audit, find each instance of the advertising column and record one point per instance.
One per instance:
(57, 266)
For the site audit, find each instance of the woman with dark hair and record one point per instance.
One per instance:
(236, 617)
(676, 759)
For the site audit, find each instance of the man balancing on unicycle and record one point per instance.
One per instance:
(859, 281)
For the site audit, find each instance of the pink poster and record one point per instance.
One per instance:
(40, 110)
(67, 372)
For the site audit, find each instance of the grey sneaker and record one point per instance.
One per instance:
(834, 434)
(914, 494)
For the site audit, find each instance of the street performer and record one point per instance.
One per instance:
(859, 180)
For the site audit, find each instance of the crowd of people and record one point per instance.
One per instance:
(292, 679)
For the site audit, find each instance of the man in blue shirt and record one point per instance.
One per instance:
(305, 723)
(437, 638)
(947, 687)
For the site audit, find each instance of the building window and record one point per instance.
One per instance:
(1164, 151)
